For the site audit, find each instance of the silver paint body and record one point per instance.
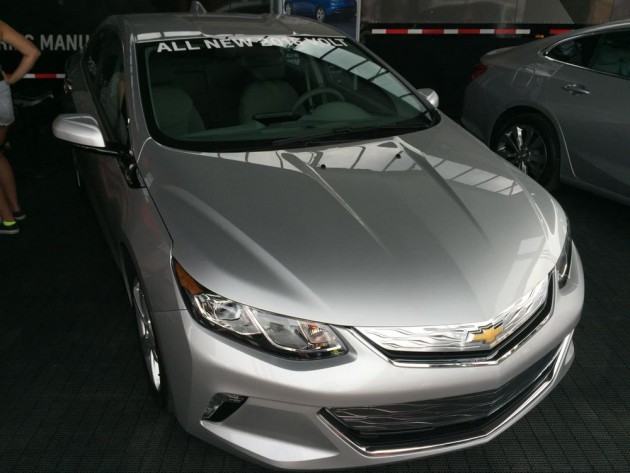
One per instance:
(592, 127)
(449, 234)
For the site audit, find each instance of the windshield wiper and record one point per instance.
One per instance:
(325, 137)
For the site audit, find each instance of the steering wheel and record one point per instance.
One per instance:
(312, 93)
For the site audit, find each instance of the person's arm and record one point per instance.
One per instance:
(29, 51)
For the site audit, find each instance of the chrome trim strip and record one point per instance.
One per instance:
(464, 337)
(466, 362)
(535, 396)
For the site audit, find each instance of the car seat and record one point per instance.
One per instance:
(268, 92)
(175, 113)
(612, 56)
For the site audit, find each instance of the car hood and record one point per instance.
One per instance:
(425, 228)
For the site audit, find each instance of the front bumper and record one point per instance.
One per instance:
(281, 423)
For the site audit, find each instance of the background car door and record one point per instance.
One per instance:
(102, 176)
(590, 96)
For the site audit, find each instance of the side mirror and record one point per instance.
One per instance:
(83, 130)
(80, 130)
(432, 96)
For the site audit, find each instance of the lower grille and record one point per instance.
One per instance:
(446, 419)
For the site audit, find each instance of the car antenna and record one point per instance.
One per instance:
(197, 9)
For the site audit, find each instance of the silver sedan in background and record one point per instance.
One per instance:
(325, 271)
(559, 108)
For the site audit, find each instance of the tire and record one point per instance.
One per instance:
(149, 349)
(529, 142)
(320, 14)
(288, 8)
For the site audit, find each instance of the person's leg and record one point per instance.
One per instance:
(7, 179)
(8, 226)
(5, 210)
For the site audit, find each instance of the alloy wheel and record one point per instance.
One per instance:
(320, 14)
(148, 343)
(524, 147)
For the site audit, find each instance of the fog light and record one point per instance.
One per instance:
(222, 406)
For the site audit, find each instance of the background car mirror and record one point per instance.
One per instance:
(80, 130)
(432, 96)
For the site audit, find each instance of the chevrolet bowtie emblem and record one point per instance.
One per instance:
(486, 335)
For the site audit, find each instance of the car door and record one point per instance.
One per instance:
(101, 173)
(589, 95)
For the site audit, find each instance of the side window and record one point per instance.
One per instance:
(577, 52)
(612, 54)
(104, 64)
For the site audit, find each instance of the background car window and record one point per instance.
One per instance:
(612, 54)
(577, 52)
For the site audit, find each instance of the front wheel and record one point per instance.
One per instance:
(320, 14)
(529, 142)
(148, 344)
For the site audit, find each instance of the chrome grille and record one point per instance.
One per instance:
(452, 416)
(450, 346)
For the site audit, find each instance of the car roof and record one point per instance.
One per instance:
(152, 26)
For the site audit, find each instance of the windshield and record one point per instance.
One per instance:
(247, 92)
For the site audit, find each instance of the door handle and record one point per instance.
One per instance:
(576, 89)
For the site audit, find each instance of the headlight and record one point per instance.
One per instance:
(563, 266)
(284, 336)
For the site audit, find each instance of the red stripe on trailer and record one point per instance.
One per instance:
(505, 31)
(453, 31)
(558, 31)
(44, 75)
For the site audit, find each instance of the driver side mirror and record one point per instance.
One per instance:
(82, 130)
(432, 96)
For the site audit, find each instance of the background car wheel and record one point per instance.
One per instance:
(149, 346)
(529, 142)
(320, 14)
(288, 9)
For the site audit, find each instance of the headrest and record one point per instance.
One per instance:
(265, 62)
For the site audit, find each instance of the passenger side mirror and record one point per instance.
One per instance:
(432, 96)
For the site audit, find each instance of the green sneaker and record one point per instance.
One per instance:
(9, 229)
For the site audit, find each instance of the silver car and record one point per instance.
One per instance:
(325, 270)
(558, 108)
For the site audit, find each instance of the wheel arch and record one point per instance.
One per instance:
(130, 269)
(516, 110)
(563, 161)
(566, 168)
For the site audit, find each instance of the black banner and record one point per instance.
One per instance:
(61, 27)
